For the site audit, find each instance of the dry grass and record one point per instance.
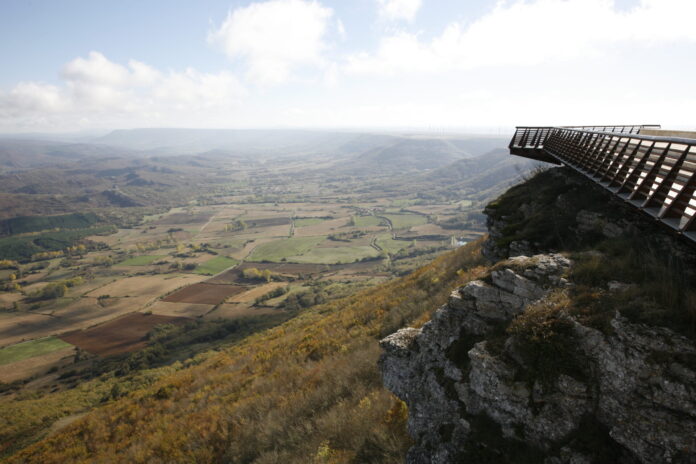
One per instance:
(155, 285)
(546, 342)
(664, 290)
(238, 310)
(250, 295)
(191, 310)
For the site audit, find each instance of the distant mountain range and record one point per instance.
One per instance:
(358, 151)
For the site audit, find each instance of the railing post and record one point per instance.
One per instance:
(626, 165)
(637, 170)
(639, 192)
(665, 185)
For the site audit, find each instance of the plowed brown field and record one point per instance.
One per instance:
(121, 335)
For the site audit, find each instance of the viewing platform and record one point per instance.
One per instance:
(651, 169)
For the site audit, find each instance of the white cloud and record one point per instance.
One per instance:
(192, 89)
(340, 28)
(275, 37)
(399, 9)
(95, 69)
(101, 92)
(529, 33)
(32, 96)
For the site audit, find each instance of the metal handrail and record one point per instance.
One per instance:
(656, 174)
(540, 133)
(657, 138)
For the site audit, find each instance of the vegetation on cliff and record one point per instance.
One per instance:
(652, 274)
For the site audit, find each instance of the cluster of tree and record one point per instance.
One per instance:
(79, 250)
(8, 264)
(347, 236)
(255, 274)
(28, 247)
(12, 285)
(275, 293)
(305, 299)
(179, 266)
(105, 261)
(46, 255)
(235, 226)
(55, 289)
(142, 247)
(186, 251)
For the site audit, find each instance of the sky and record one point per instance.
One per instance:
(430, 65)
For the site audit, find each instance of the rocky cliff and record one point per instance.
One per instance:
(547, 358)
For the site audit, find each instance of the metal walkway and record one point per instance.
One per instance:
(655, 174)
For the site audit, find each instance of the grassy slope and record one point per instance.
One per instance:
(308, 389)
(402, 221)
(335, 255)
(392, 246)
(279, 249)
(30, 349)
(367, 221)
(215, 265)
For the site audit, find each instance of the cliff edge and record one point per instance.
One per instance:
(576, 346)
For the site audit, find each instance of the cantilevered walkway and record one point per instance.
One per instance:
(656, 174)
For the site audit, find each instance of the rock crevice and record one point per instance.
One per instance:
(474, 396)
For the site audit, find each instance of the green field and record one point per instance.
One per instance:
(215, 265)
(402, 221)
(402, 202)
(337, 255)
(143, 260)
(367, 221)
(304, 222)
(30, 349)
(392, 246)
(279, 249)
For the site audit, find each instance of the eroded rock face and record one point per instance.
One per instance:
(461, 372)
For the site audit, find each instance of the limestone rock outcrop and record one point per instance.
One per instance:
(473, 395)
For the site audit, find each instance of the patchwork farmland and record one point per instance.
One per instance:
(205, 263)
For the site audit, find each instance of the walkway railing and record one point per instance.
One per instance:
(655, 174)
(529, 141)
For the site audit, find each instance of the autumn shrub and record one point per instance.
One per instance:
(545, 339)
